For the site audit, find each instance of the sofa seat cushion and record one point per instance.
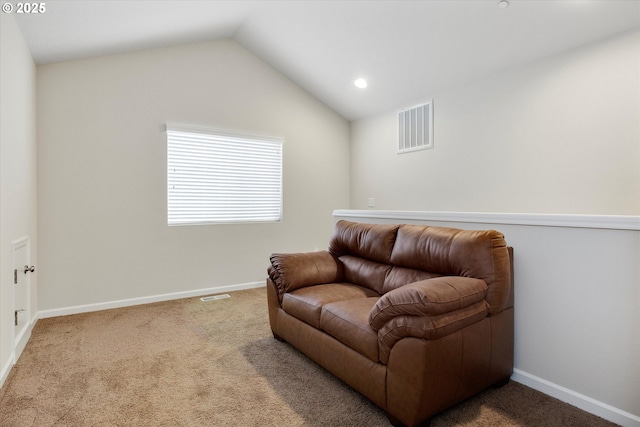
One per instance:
(348, 322)
(306, 303)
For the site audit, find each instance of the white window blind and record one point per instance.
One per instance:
(216, 177)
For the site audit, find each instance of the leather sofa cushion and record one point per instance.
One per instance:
(370, 241)
(482, 254)
(348, 322)
(382, 278)
(399, 276)
(306, 303)
(363, 272)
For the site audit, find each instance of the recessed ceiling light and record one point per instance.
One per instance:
(361, 83)
(503, 4)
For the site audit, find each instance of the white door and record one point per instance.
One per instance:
(22, 271)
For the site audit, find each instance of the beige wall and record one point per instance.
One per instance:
(17, 171)
(102, 171)
(561, 135)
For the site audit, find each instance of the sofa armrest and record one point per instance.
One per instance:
(428, 327)
(297, 270)
(431, 297)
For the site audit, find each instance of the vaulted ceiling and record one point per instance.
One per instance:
(406, 50)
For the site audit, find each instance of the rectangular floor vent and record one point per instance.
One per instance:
(215, 297)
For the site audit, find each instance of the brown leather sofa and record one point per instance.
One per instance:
(415, 318)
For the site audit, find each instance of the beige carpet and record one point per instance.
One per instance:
(193, 363)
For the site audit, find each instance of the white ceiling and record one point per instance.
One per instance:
(407, 50)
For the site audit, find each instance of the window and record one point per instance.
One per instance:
(217, 177)
(415, 128)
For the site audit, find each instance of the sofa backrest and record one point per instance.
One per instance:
(384, 257)
(370, 241)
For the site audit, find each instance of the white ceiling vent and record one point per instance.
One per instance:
(415, 128)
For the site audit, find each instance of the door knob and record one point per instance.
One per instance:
(28, 269)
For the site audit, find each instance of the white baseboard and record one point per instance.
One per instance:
(578, 400)
(43, 314)
(4, 372)
(16, 352)
(22, 339)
